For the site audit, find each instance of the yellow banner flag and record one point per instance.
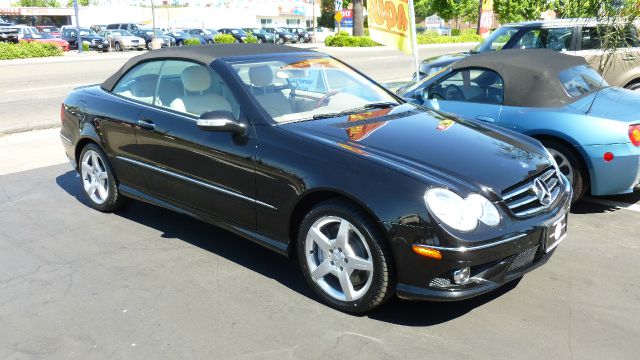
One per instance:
(389, 23)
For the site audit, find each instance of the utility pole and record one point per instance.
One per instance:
(78, 37)
(313, 21)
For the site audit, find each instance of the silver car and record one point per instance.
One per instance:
(120, 40)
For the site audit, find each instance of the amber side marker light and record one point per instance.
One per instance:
(634, 134)
(427, 252)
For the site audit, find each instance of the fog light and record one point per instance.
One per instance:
(461, 276)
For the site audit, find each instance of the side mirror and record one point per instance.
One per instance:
(221, 120)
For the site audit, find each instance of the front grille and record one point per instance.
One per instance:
(524, 199)
(523, 259)
(440, 282)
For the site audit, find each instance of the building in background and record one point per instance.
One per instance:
(175, 13)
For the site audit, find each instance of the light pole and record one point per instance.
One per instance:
(78, 37)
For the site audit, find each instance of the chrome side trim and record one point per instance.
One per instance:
(66, 139)
(198, 182)
(474, 248)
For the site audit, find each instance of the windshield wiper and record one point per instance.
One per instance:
(382, 105)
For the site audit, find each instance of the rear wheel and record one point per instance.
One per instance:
(345, 258)
(98, 180)
(117, 46)
(570, 166)
(259, 41)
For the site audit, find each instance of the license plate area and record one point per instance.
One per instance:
(555, 232)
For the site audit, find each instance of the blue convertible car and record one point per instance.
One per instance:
(592, 129)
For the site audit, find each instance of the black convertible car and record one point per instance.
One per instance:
(299, 152)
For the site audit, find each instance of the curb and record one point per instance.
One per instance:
(71, 56)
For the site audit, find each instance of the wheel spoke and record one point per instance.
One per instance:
(343, 234)
(86, 168)
(92, 187)
(323, 269)
(102, 191)
(319, 238)
(358, 263)
(94, 160)
(345, 284)
(102, 176)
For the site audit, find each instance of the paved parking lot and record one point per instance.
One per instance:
(147, 283)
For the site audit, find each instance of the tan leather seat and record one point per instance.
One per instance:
(272, 100)
(142, 89)
(197, 79)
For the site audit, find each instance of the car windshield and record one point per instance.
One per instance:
(212, 31)
(256, 31)
(179, 33)
(122, 33)
(87, 32)
(281, 30)
(581, 80)
(297, 88)
(43, 35)
(496, 40)
(150, 32)
(237, 32)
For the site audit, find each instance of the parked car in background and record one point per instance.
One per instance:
(239, 34)
(303, 34)
(120, 40)
(282, 35)
(98, 28)
(25, 30)
(123, 26)
(577, 37)
(263, 36)
(207, 35)
(592, 129)
(180, 37)
(321, 33)
(87, 36)
(8, 33)
(47, 38)
(53, 30)
(147, 35)
(417, 203)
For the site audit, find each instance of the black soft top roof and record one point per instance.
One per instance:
(530, 76)
(204, 54)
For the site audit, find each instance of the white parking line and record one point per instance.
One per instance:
(44, 88)
(613, 203)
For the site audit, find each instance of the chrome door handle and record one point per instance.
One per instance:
(146, 124)
(629, 58)
(485, 118)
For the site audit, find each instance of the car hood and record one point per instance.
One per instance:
(615, 104)
(437, 148)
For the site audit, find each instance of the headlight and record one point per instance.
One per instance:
(458, 213)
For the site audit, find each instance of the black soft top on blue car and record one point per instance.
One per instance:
(530, 76)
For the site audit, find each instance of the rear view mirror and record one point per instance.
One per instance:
(221, 120)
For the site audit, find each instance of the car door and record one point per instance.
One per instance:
(473, 93)
(204, 170)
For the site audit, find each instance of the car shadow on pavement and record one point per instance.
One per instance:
(175, 226)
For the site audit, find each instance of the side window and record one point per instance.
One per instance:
(140, 83)
(194, 89)
(590, 40)
(556, 39)
(470, 85)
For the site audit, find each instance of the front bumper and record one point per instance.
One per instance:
(494, 263)
(618, 176)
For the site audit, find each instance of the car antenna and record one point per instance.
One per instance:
(595, 96)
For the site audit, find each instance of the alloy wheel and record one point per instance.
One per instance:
(95, 179)
(563, 164)
(338, 258)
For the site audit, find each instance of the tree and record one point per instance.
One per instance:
(80, 3)
(519, 10)
(422, 9)
(358, 18)
(575, 8)
(448, 10)
(39, 3)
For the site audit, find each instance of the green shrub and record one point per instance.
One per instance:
(224, 39)
(85, 46)
(251, 39)
(25, 50)
(343, 33)
(469, 31)
(192, 41)
(434, 38)
(349, 41)
(455, 32)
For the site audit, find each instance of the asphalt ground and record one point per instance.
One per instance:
(147, 283)
(32, 90)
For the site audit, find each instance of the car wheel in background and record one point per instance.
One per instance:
(149, 46)
(209, 41)
(280, 41)
(260, 41)
(570, 166)
(301, 39)
(117, 46)
(98, 180)
(345, 257)
(179, 43)
(634, 86)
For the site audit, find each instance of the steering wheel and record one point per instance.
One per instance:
(453, 93)
(325, 99)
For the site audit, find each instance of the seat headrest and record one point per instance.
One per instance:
(196, 78)
(261, 75)
(144, 86)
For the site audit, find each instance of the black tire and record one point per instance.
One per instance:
(301, 39)
(117, 46)
(209, 41)
(180, 43)
(635, 86)
(114, 199)
(260, 41)
(382, 286)
(580, 181)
